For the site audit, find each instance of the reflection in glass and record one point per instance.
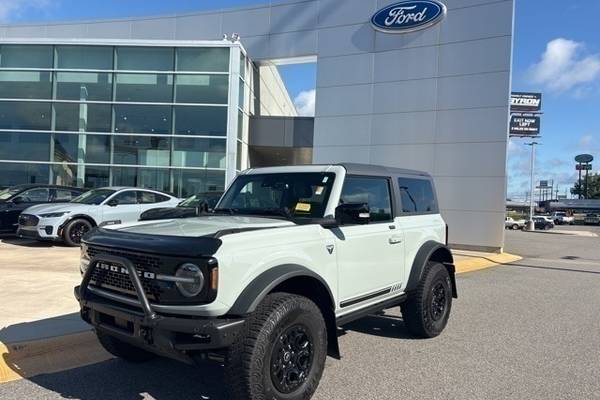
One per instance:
(65, 175)
(96, 177)
(144, 87)
(25, 56)
(67, 146)
(189, 182)
(194, 152)
(17, 174)
(25, 85)
(24, 146)
(209, 121)
(24, 115)
(145, 58)
(208, 59)
(207, 89)
(83, 86)
(97, 149)
(82, 117)
(142, 119)
(141, 150)
(84, 57)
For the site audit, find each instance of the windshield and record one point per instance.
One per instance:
(93, 197)
(8, 193)
(289, 195)
(195, 200)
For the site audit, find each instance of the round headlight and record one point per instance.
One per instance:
(190, 280)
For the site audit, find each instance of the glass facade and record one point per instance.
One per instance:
(97, 115)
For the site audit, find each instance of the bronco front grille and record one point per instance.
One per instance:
(116, 278)
(28, 220)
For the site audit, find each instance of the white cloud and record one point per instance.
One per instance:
(564, 66)
(305, 102)
(12, 8)
(586, 141)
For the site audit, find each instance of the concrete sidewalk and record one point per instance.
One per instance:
(40, 328)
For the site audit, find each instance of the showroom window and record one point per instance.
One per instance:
(24, 146)
(26, 84)
(83, 86)
(207, 59)
(81, 117)
(145, 58)
(141, 150)
(25, 56)
(142, 118)
(84, 57)
(25, 115)
(194, 120)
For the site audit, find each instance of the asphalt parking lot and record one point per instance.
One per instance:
(526, 330)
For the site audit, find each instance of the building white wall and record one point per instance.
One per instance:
(273, 98)
(435, 99)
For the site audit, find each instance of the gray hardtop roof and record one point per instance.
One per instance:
(368, 169)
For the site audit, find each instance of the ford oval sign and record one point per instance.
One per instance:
(408, 16)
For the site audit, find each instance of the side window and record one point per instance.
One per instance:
(373, 191)
(150, 198)
(127, 197)
(39, 195)
(416, 195)
(63, 195)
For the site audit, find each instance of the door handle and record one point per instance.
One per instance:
(395, 240)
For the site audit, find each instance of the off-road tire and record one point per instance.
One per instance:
(124, 350)
(248, 365)
(68, 232)
(417, 312)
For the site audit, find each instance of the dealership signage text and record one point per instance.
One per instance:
(408, 16)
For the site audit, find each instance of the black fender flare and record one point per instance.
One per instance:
(263, 284)
(431, 251)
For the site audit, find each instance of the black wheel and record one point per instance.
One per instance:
(281, 352)
(427, 309)
(547, 227)
(515, 227)
(124, 350)
(75, 230)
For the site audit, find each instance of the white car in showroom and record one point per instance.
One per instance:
(68, 222)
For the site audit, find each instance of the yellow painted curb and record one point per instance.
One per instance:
(475, 263)
(27, 359)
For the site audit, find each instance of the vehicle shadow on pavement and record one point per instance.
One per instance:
(383, 325)
(160, 379)
(17, 241)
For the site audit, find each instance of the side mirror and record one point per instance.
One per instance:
(353, 213)
(112, 203)
(18, 200)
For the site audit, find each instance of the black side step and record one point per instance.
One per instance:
(379, 306)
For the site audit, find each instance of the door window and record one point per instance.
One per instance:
(39, 195)
(63, 195)
(150, 198)
(124, 198)
(375, 192)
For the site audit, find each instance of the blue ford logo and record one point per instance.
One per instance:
(408, 16)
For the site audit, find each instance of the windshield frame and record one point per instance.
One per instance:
(330, 186)
(90, 193)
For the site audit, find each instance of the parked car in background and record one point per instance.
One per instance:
(190, 207)
(15, 199)
(543, 222)
(592, 219)
(510, 223)
(68, 222)
(562, 218)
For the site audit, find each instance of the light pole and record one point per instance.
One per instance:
(530, 225)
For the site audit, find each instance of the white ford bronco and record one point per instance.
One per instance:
(262, 282)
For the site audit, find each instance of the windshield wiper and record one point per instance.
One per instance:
(230, 211)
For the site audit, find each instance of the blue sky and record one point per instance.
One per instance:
(556, 51)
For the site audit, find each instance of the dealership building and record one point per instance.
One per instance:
(181, 103)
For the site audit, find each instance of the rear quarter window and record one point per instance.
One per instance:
(417, 196)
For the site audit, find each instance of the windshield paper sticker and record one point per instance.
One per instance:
(319, 190)
(304, 207)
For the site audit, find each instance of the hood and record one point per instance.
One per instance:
(203, 226)
(168, 213)
(57, 207)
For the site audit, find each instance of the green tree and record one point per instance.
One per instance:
(593, 187)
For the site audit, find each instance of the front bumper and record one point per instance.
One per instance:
(40, 232)
(175, 336)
